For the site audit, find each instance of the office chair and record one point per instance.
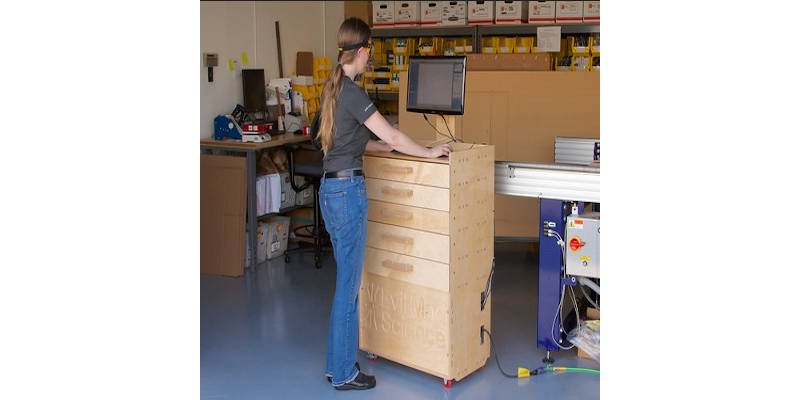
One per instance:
(312, 171)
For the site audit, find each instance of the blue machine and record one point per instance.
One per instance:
(559, 188)
(226, 127)
(552, 214)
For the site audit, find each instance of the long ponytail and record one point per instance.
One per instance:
(352, 31)
(329, 95)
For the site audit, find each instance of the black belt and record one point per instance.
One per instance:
(344, 174)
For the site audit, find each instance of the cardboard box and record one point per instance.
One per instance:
(454, 13)
(591, 11)
(223, 199)
(430, 12)
(569, 11)
(509, 62)
(382, 14)
(277, 236)
(306, 196)
(541, 12)
(406, 13)
(304, 64)
(359, 9)
(510, 12)
(480, 12)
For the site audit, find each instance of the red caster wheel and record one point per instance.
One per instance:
(371, 357)
(448, 383)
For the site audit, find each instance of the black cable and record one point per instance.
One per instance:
(496, 357)
(488, 290)
(448, 129)
(434, 128)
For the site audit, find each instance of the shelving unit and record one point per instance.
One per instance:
(476, 32)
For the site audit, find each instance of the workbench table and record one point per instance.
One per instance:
(250, 150)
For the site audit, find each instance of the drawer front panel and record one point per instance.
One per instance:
(414, 270)
(405, 323)
(410, 217)
(430, 246)
(408, 194)
(423, 173)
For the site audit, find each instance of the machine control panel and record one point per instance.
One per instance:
(583, 245)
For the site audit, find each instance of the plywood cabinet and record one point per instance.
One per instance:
(430, 245)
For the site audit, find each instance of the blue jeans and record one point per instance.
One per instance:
(343, 202)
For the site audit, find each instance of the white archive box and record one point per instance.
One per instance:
(277, 236)
(480, 12)
(268, 194)
(287, 193)
(382, 14)
(591, 11)
(406, 13)
(569, 11)
(304, 197)
(454, 13)
(430, 12)
(510, 12)
(541, 12)
(261, 243)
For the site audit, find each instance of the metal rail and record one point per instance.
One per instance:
(548, 181)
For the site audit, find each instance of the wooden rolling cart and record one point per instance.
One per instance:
(430, 247)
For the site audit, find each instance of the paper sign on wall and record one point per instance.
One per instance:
(548, 38)
(245, 60)
(230, 64)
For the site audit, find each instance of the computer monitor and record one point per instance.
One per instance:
(253, 90)
(436, 84)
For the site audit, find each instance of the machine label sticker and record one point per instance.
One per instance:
(586, 258)
(577, 224)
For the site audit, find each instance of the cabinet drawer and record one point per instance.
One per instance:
(423, 173)
(408, 194)
(417, 271)
(430, 246)
(410, 217)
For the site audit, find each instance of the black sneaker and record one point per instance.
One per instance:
(330, 379)
(361, 382)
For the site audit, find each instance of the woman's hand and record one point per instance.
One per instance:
(440, 150)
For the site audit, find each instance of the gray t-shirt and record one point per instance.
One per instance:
(350, 136)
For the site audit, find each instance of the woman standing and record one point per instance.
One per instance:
(347, 117)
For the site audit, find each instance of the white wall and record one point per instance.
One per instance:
(230, 28)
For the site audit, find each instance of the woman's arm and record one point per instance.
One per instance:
(400, 141)
(378, 147)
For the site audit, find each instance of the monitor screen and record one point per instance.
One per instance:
(253, 89)
(436, 84)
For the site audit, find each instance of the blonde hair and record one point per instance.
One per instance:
(352, 31)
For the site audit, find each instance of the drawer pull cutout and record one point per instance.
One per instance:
(398, 239)
(391, 169)
(397, 266)
(397, 192)
(397, 214)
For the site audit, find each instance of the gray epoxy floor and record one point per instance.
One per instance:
(263, 336)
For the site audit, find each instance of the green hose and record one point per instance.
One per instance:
(573, 369)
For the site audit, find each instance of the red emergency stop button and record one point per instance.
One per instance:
(575, 243)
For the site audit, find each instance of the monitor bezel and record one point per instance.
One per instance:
(463, 86)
